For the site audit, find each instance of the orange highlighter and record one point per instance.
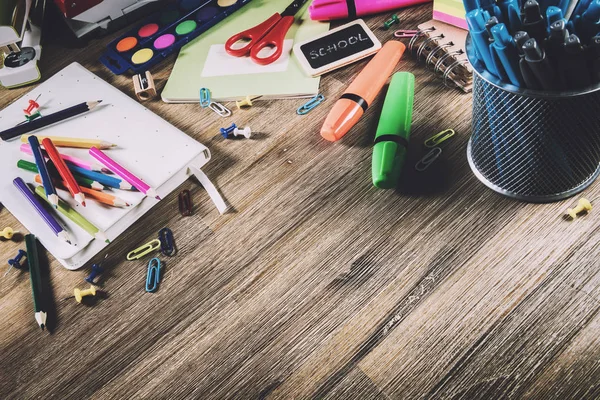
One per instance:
(362, 91)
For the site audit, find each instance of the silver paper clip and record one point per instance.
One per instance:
(204, 97)
(220, 109)
(153, 276)
(428, 159)
(312, 103)
(405, 33)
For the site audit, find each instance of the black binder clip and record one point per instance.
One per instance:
(185, 203)
(167, 244)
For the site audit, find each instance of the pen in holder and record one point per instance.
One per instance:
(535, 146)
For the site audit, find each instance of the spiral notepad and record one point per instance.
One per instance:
(442, 47)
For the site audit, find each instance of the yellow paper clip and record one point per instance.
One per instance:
(582, 205)
(8, 233)
(439, 138)
(143, 250)
(247, 102)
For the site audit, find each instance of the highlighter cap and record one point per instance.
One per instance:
(323, 10)
(393, 131)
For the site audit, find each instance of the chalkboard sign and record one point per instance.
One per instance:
(337, 48)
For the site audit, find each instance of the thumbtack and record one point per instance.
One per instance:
(16, 262)
(96, 270)
(225, 132)
(388, 24)
(247, 102)
(8, 233)
(31, 117)
(246, 132)
(582, 205)
(33, 105)
(80, 294)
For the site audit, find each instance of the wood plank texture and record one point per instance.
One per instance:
(318, 285)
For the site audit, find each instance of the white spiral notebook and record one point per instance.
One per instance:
(150, 147)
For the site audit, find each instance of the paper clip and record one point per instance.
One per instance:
(167, 244)
(185, 203)
(204, 97)
(143, 250)
(439, 138)
(312, 103)
(220, 109)
(428, 159)
(405, 33)
(153, 276)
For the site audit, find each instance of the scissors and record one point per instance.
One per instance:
(270, 33)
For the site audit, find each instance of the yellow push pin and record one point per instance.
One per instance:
(244, 103)
(80, 294)
(8, 233)
(582, 205)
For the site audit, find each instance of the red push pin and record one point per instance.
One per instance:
(33, 105)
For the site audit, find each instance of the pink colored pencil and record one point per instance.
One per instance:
(90, 166)
(123, 173)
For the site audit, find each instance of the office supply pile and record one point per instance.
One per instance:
(541, 45)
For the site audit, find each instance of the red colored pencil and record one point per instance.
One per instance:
(64, 171)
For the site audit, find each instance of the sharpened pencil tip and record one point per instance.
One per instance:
(99, 101)
(42, 326)
(158, 198)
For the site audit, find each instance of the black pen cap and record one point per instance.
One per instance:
(520, 38)
(595, 45)
(573, 45)
(493, 21)
(532, 51)
(558, 31)
(531, 11)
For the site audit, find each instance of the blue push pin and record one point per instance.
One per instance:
(226, 132)
(96, 270)
(16, 262)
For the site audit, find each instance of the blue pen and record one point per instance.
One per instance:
(587, 24)
(100, 178)
(480, 39)
(581, 6)
(504, 46)
(40, 161)
(471, 5)
(491, 7)
(553, 14)
(511, 14)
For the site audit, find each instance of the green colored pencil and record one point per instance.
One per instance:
(82, 181)
(36, 279)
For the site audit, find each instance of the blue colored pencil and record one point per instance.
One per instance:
(105, 180)
(40, 161)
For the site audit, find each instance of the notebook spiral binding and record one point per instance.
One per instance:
(441, 47)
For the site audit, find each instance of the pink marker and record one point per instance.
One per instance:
(90, 166)
(325, 10)
(123, 173)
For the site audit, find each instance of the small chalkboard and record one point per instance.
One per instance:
(337, 48)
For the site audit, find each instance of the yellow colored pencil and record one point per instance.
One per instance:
(80, 143)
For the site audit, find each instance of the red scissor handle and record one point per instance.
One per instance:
(253, 35)
(273, 39)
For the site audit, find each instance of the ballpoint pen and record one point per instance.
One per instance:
(587, 24)
(471, 5)
(506, 50)
(531, 82)
(481, 39)
(553, 14)
(573, 69)
(533, 22)
(511, 14)
(490, 23)
(491, 7)
(539, 64)
(554, 45)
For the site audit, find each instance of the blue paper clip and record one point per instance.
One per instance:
(204, 97)
(312, 103)
(153, 276)
(167, 244)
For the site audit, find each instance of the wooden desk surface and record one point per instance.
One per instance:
(319, 285)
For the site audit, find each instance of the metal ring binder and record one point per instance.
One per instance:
(438, 65)
(418, 35)
(432, 53)
(425, 43)
(449, 71)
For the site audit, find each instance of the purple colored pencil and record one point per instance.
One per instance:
(58, 230)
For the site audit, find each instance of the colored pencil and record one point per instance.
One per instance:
(105, 180)
(48, 120)
(92, 166)
(64, 171)
(35, 277)
(66, 210)
(83, 182)
(123, 173)
(48, 218)
(78, 143)
(97, 195)
(40, 161)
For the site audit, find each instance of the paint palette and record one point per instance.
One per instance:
(165, 32)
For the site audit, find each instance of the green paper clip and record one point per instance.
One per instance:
(439, 138)
(143, 250)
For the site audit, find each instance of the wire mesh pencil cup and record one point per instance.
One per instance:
(531, 145)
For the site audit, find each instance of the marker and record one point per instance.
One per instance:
(573, 70)
(587, 24)
(553, 14)
(539, 64)
(505, 48)
(362, 91)
(529, 77)
(393, 131)
(481, 39)
(491, 7)
(533, 22)
(492, 22)
(554, 45)
(511, 14)
(325, 10)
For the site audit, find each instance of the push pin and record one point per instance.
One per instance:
(80, 294)
(247, 102)
(388, 24)
(31, 117)
(8, 233)
(33, 105)
(582, 205)
(225, 132)
(96, 270)
(16, 262)
(246, 132)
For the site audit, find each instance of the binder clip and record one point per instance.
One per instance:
(405, 33)
(246, 132)
(428, 159)
(143, 85)
(582, 205)
(153, 275)
(225, 132)
(8, 233)
(167, 244)
(33, 105)
(185, 203)
(312, 103)
(143, 250)
(204, 97)
(96, 270)
(247, 102)
(388, 24)
(439, 138)
(80, 294)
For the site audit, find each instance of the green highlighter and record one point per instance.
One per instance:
(393, 131)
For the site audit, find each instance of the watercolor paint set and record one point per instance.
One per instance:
(164, 32)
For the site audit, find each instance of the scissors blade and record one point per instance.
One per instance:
(293, 8)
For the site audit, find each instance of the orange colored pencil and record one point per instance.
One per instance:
(97, 195)
(64, 171)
